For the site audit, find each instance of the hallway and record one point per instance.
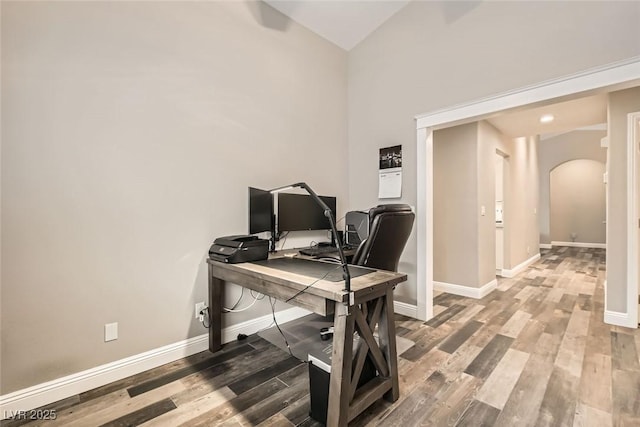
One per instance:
(533, 352)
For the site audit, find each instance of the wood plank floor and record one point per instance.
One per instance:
(535, 352)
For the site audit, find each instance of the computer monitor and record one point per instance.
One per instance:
(260, 211)
(297, 212)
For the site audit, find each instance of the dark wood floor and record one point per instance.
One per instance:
(535, 352)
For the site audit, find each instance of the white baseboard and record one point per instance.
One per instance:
(61, 388)
(545, 246)
(580, 245)
(405, 309)
(466, 291)
(520, 267)
(252, 326)
(619, 319)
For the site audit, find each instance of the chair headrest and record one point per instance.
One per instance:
(392, 207)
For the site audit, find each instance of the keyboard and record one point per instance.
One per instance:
(323, 250)
(318, 250)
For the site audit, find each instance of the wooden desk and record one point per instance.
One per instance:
(373, 294)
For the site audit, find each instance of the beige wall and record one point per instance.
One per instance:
(131, 131)
(464, 246)
(455, 206)
(525, 234)
(520, 195)
(578, 144)
(125, 126)
(488, 140)
(620, 104)
(433, 55)
(578, 202)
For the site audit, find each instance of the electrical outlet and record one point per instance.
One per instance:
(199, 307)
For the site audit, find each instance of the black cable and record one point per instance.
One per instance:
(237, 302)
(284, 241)
(234, 310)
(205, 317)
(273, 301)
(260, 296)
(314, 282)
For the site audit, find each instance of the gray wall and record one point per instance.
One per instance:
(620, 104)
(578, 144)
(578, 202)
(433, 55)
(131, 131)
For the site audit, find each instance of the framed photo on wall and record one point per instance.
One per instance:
(390, 172)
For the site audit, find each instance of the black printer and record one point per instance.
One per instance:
(235, 249)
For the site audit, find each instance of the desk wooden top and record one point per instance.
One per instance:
(294, 288)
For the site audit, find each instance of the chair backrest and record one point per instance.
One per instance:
(389, 229)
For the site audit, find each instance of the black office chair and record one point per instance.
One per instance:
(389, 229)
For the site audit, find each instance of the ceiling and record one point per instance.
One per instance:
(347, 22)
(342, 22)
(569, 115)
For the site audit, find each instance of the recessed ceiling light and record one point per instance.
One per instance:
(547, 118)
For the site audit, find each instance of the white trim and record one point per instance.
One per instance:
(632, 217)
(615, 317)
(520, 267)
(466, 291)
(61, 388)
(615, 75)
(70, 385)
(424, 225)
(612, 74)
(545, 245)
(254, 325)
(619, 319)
(580, 245)
(405, 309)
(599, 127)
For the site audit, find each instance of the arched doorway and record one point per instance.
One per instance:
(578, 204)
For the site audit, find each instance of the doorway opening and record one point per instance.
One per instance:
(616, 76)
(577, 204)
(502, 242)
(633, 204)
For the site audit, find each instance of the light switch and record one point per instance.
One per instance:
(483, 211)
(110, 332)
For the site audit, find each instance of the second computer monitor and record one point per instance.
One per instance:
(260, 211)
(297, 212)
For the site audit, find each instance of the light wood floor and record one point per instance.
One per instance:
(535, 352)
